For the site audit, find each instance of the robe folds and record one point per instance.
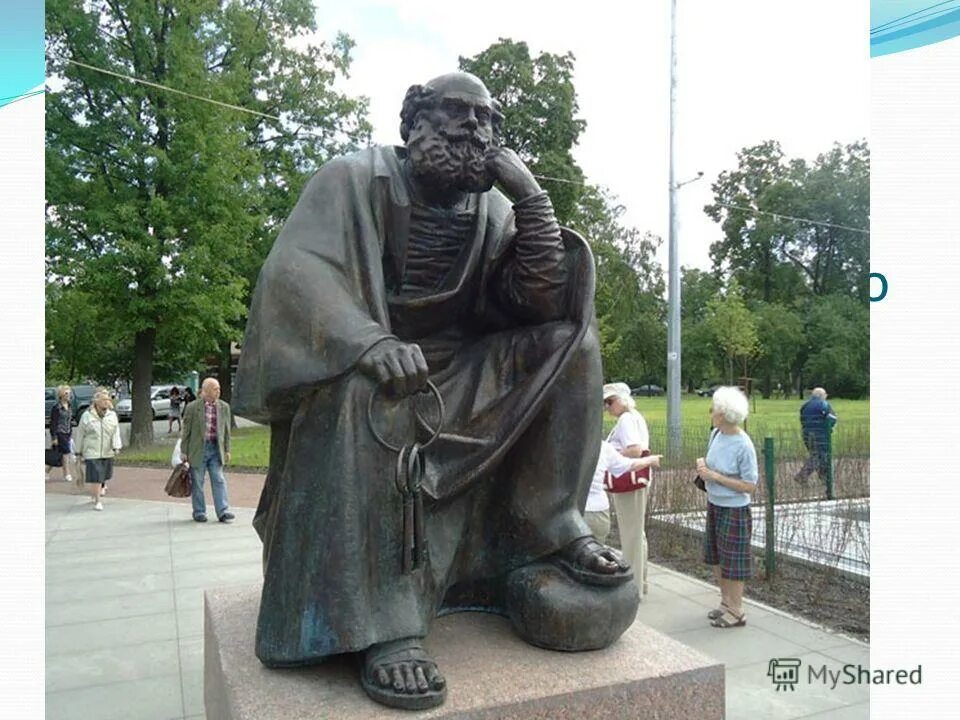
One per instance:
(505, 481)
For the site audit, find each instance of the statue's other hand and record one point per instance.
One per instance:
(396, 365)
(506, 168)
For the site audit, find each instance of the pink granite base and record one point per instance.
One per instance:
(490, 674)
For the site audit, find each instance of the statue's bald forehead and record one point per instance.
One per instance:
(460, 84)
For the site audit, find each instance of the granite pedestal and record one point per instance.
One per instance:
(490, 673)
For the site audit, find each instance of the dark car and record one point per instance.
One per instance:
(50, 396)
(647, 391)
(81, 397)
(707, 392)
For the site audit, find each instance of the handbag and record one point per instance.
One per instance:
(52, 457)
(698, 481)
(79, 474)
(629, 481)
(180, 484)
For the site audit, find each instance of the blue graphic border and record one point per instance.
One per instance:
(898, 25)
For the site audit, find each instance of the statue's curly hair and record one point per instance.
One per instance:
(422, 97)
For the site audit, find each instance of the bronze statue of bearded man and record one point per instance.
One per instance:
(401, 269)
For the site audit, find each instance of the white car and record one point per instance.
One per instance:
(159, 401)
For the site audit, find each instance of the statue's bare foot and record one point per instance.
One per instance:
(400, 674)
(591, 562)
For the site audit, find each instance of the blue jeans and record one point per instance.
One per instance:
(213, 464)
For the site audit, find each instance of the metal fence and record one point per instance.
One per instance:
(822, 524)
(811, 540)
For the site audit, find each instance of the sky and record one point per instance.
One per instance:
(747, 71)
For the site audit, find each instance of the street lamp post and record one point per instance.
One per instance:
(673, 270)
(673, 267)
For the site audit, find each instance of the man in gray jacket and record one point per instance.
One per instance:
(206, 446)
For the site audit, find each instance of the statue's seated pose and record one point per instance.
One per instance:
(401, 265)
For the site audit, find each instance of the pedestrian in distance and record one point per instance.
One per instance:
(99, 444)
(61, 430)
(729, 471)
(175, 403)
(817, 419)
(205, 446)
(629, 437)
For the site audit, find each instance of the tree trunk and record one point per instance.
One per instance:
(224, 376)
(141, 426)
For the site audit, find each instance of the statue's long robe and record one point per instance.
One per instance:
(504, 483)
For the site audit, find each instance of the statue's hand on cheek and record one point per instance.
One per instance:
(396, 365)
(506, 168)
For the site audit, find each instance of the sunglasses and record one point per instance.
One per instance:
(608, 402)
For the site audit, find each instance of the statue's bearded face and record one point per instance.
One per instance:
(448, 144)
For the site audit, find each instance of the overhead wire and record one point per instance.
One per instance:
(193, 96)
(219, 103)
(757, 211)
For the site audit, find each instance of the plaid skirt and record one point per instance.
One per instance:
(726, 541)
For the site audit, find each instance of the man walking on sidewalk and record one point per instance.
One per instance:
(206, 446)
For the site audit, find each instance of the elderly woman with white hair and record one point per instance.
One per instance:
(631, 438)
(730, 474)
(99, 431)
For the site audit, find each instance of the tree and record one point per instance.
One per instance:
(631, 312)
(699, 365)
(781, 345)
(733, 326)
(790, 268)
(838, 346)
(160, 205)
(776, 258)
(539, 103)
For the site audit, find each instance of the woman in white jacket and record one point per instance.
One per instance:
(99, 432)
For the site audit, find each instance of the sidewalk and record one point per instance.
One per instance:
(124, 624)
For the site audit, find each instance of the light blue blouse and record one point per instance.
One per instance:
(735, 457)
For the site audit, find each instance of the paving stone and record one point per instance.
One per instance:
(102, 634)
(149, 699)
(68, 671)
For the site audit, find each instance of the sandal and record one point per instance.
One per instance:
(715, 614)
(728, 619)
(398, 652)
(574, 557)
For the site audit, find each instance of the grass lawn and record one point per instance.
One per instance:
(777, 418)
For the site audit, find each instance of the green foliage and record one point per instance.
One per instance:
(839, 354)
(161, 206)
(539, 104)
(797, 275)
(733, 327)
(629, 297)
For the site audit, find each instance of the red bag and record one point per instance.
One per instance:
(629, 481)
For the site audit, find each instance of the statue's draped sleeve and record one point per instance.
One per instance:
(319, 302)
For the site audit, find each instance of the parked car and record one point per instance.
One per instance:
(80, 400)
(50, 398)
(159, 402)
(707, 392)
(647, 391)
(82, 397)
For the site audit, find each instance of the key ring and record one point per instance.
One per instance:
(435, 432)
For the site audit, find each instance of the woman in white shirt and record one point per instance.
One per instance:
(597, 512)
(631, 438)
